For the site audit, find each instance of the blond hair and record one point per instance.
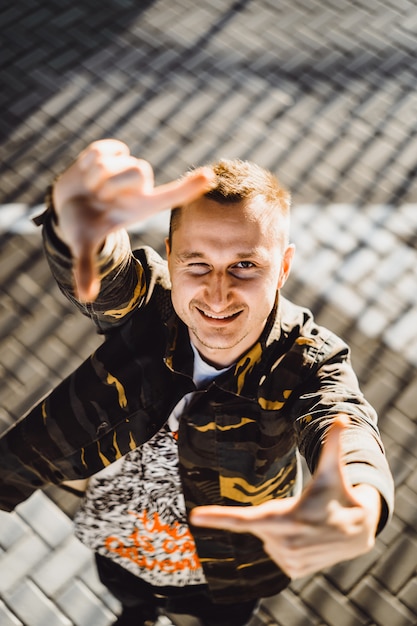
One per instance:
(239, 181)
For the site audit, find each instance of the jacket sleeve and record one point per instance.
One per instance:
(332, 388)
(123, 278)
(93, 417)
(96, 414)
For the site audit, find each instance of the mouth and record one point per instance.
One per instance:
(219, 319)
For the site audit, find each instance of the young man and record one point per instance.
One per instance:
(207, 388)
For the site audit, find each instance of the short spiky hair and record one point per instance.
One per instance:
(238, 181)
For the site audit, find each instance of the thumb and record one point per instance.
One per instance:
(329, 477)
(331, 455)
(328, 483)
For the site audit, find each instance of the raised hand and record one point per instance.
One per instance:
(105, 189)
(329, 522)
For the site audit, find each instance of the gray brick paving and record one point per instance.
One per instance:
(7, 618)
(321, 92)
(80, 604)
(33, 607)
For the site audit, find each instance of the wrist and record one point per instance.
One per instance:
(52, 212)
(50, 222)
(49, 203)
(370, 500)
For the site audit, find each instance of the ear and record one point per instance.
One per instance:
(167, 247)
(286, 265)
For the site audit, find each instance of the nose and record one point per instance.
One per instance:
(218, 292)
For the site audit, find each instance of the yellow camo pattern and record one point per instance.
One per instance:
(247, 364)
(44, 413)
(306, 341)
(214, 426)
(103, 458)
(139, 292)
(105, 461)
(112, 380)
(240, 490)
(275, 405)
(132, 442)
(243, 566)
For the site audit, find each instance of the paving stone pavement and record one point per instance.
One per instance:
(322, 92)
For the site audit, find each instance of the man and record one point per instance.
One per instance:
(197, 405)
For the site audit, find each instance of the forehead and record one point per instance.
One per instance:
(205, 212)
(209, 227)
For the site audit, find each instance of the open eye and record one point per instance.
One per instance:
(243, 269)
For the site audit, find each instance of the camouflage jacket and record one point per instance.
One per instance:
(239, 440)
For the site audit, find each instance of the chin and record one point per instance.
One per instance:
(216, 343)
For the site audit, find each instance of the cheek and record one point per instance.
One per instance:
(263, 300)
(181, 292)
(266, 291)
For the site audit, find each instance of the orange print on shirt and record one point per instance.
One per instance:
(177, 547)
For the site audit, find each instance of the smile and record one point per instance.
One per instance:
(219, 318)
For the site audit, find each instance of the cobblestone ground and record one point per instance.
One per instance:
(322, 92)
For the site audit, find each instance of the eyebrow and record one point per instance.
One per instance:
(186, 256)
(189, 255)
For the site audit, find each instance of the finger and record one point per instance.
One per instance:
(183, 190)
(242, 519)
(129, 175)
(230, 518)
(104, 147)
(104, 168)
(86, 281)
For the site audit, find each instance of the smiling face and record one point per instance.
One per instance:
(226, 262)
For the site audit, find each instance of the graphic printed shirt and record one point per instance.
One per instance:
(134, 510)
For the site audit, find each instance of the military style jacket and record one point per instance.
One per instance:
(239, 439)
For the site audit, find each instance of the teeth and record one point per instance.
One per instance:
(218, 317)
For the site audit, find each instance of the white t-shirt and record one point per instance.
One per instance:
(134, 512)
